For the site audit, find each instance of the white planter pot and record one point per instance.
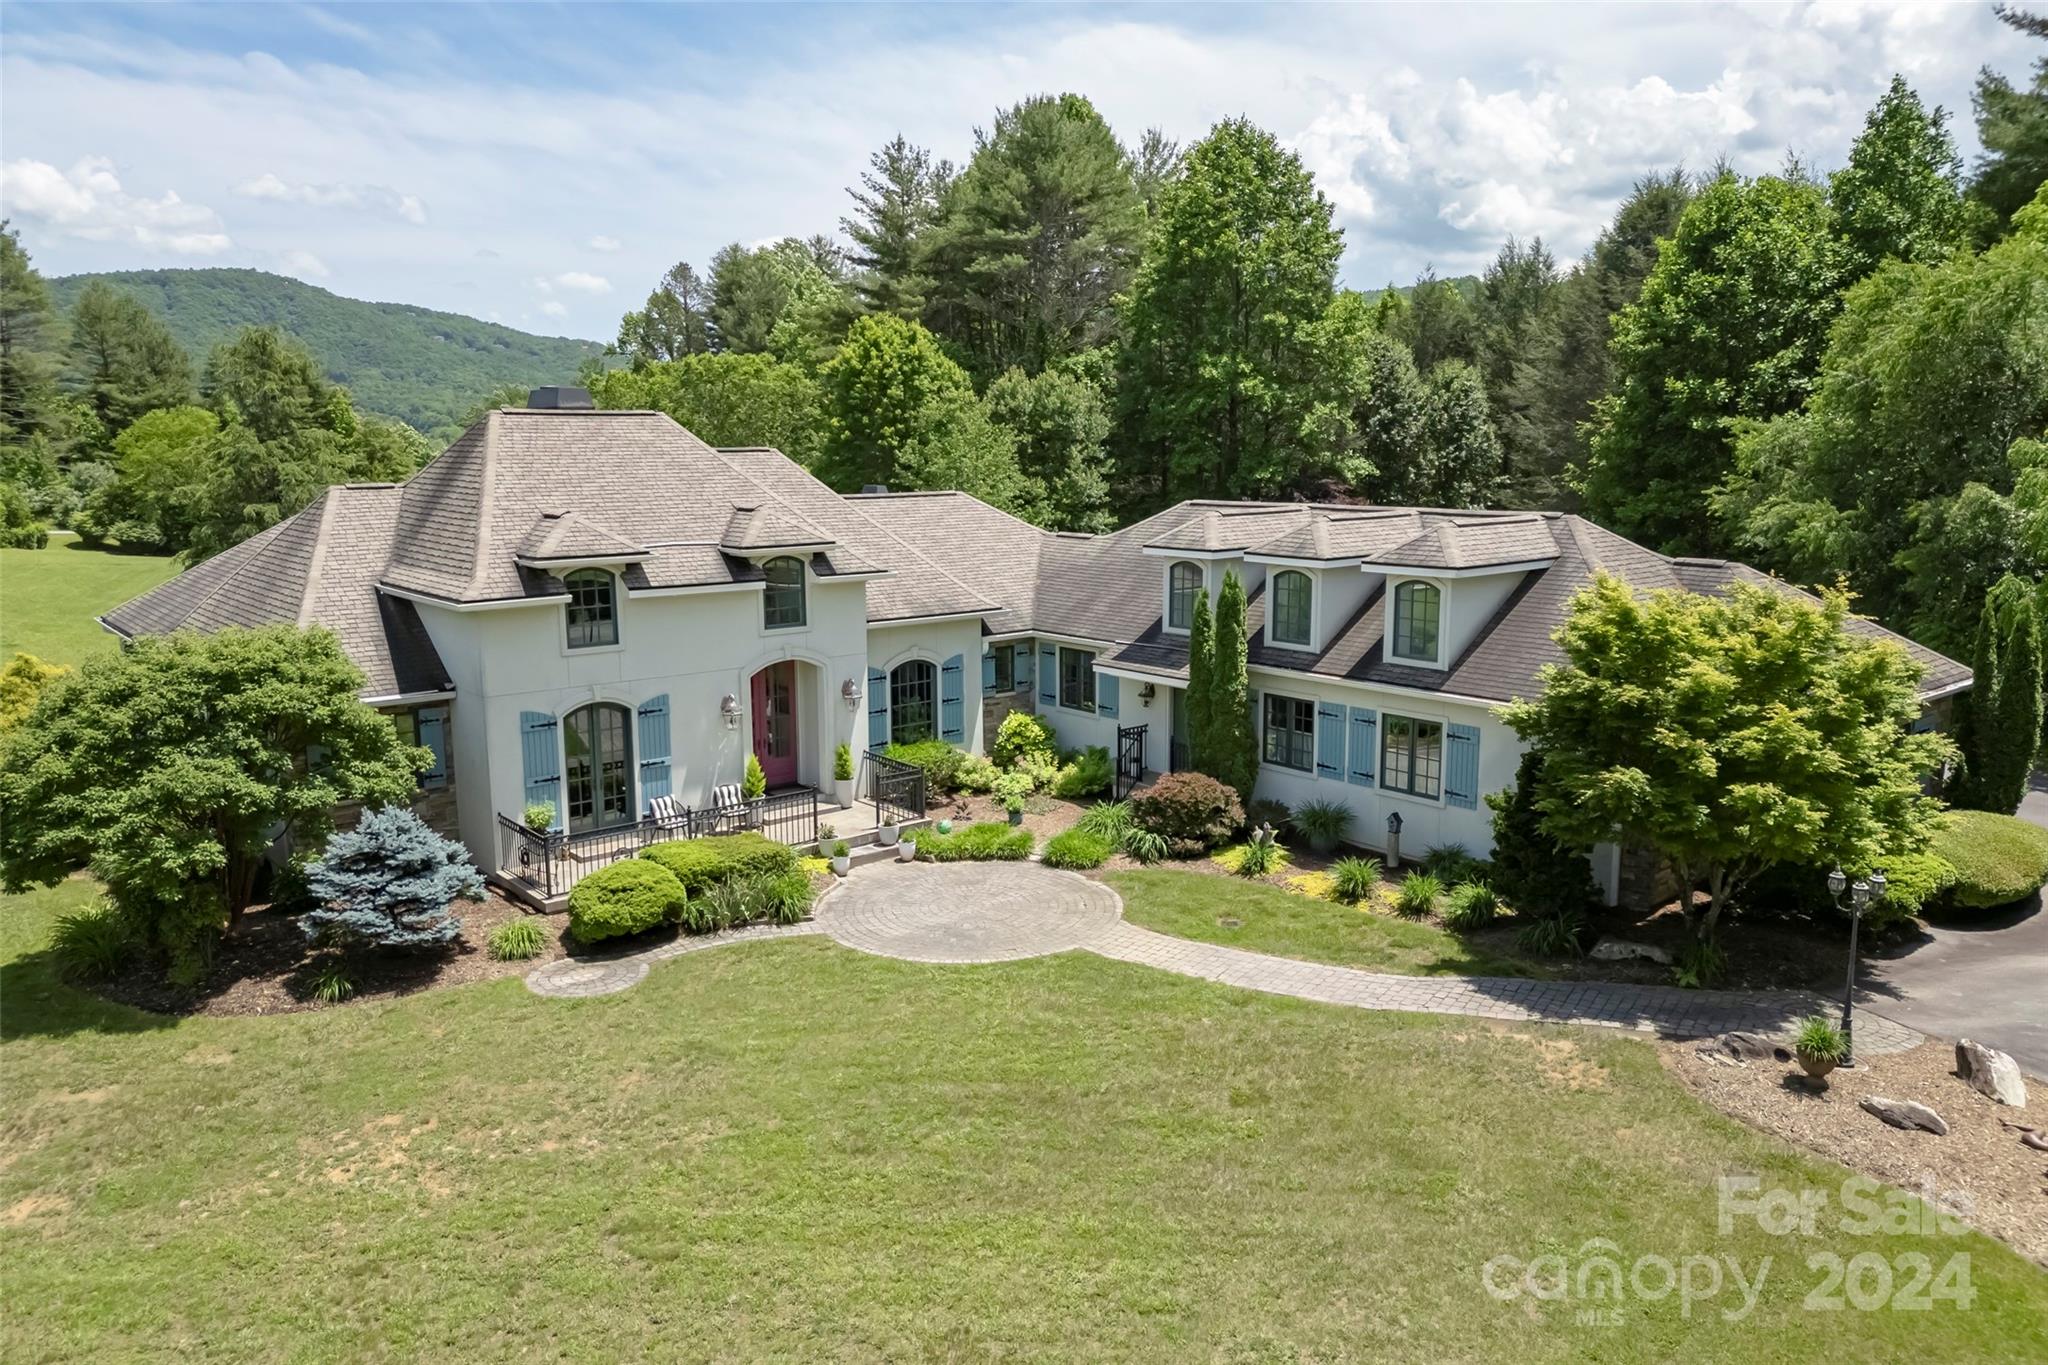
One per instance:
(887, 835)
(906, 852)
(842, 866)
(842, 792)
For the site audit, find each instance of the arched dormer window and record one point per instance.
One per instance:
(593, 608)
(782, 605)
(1291, 621)
(1418, 620)
(1183, 581)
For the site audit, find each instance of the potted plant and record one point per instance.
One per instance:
(842, 776)
(888, 834)
(1323, 824)
(540, 816)
(906, 851)
(1820, 1047)
(842, 858)
(1012, 789)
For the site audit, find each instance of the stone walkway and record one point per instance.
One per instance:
(1000, 912)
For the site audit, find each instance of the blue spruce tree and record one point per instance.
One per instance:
(388, 884)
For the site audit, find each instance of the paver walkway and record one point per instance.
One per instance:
(999, 912)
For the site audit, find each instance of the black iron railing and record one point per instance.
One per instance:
(550, 863)
(895, 788)
(1130, 760)
(1178, 758)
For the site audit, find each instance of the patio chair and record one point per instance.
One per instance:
(668, 813)
(728, 807)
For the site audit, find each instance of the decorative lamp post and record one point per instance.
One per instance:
(1393, 840)
(1861, 893)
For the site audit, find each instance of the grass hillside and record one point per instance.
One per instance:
(48, 598)
(420, 366)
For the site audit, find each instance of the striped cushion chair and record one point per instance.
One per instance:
(727, 805)
(667, 812)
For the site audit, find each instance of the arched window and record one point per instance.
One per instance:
(1183, 581)
(913, 689)
(783, 603)
(597, 756)
(1418, 612)
(1293, 609)
(593, 608)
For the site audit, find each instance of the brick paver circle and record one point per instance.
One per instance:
(968, 912)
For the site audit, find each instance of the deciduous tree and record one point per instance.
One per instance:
(1900, 196)
(675, 321)
(726, 400)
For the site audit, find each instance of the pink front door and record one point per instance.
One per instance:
(775, 723)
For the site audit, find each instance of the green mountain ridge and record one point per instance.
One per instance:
(423, 367)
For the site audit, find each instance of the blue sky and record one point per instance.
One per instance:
(543, 164)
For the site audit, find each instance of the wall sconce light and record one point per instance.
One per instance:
(849, 691)
(1146, 692)
(730, 709)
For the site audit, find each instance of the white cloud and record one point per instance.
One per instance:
(87, 202)
(367, 198)
(306, 263)
(555, 308)
(604, 243)
(584, 281)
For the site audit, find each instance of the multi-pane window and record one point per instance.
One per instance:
(1412, 755)
(1293, 608)
(1183, 581)
(593, 608)
(913, 687)
(1006, 668)
(782, 604)
(1418, 609)
(1077, 679)
(597, 752)
(1290, 732)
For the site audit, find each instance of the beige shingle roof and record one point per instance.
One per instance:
(571, 535)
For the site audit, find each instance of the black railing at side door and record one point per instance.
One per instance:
(895, 788)
(1130, 760)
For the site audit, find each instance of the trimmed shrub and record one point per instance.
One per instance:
(1192, 811)
(1418, 894)
(976, 774)
(1085, 776)
(627, 897)
(1998, 859)
(91, 944)
(515, 940)
(1471, 905)
(1532, 871)
(842, 764)
(940, 762)
(1078, 850)
(1355, 879)
(753, 781)
(700, 864)
(1323, 823)
(988, 841)
(388, 883)
(1021, 734)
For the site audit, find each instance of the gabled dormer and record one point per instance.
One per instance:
(1311, 570)
(590, 561)
(1444, 584)
(780, 544)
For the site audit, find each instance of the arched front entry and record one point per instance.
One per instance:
(775, 722)
(597, 757)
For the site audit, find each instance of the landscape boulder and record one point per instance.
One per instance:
(1621, 950)
(1751, 1047)
(1904, 1114)
(1991, 1071)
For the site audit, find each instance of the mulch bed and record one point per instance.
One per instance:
(1044, 816)
(268, 966)
(2006, 1182)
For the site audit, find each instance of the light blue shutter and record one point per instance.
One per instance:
(1461, 767)
(1364, 744)
(951, 728)
(654, 766)
(1048, 674)
(539, 754)
(431, 725)
(1020, 664)
(988, 672)
(1106, 693)
(1330, 741)
(878, 708)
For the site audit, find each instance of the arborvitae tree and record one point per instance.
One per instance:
(2012, 127)
(1730, 324)
(1390, 421)
(1233, 734)
(1200, 698)
(27, 390)
(2000, 719)
(1517, 295)
(1463, 453)
(1900, 197)
(1037, 237)
(897, 203)
(1222, 371)
(389, 883)
(676, 320)
(1532, 871)
(122, 360)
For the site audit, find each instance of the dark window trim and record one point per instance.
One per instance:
(773, 590)
(1290, 744)
(1176, 595)
(918, 676)
(1083, 679)
(1404, 628)
(1005, 668)
(1388, 722)
(600, 611)
(1308, 615)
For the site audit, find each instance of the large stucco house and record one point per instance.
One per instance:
(596, 610)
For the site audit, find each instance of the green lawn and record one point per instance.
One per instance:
(789, 1150)
(48, 598)
(1269, 920)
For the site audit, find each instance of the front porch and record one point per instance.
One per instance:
(539, 869)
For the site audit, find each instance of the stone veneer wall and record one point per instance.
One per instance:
(1646, 880)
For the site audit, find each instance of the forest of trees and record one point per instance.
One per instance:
(1840, 374)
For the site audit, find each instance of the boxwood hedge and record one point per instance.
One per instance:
(1998, 859)
(700, 864)
(628, 897)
